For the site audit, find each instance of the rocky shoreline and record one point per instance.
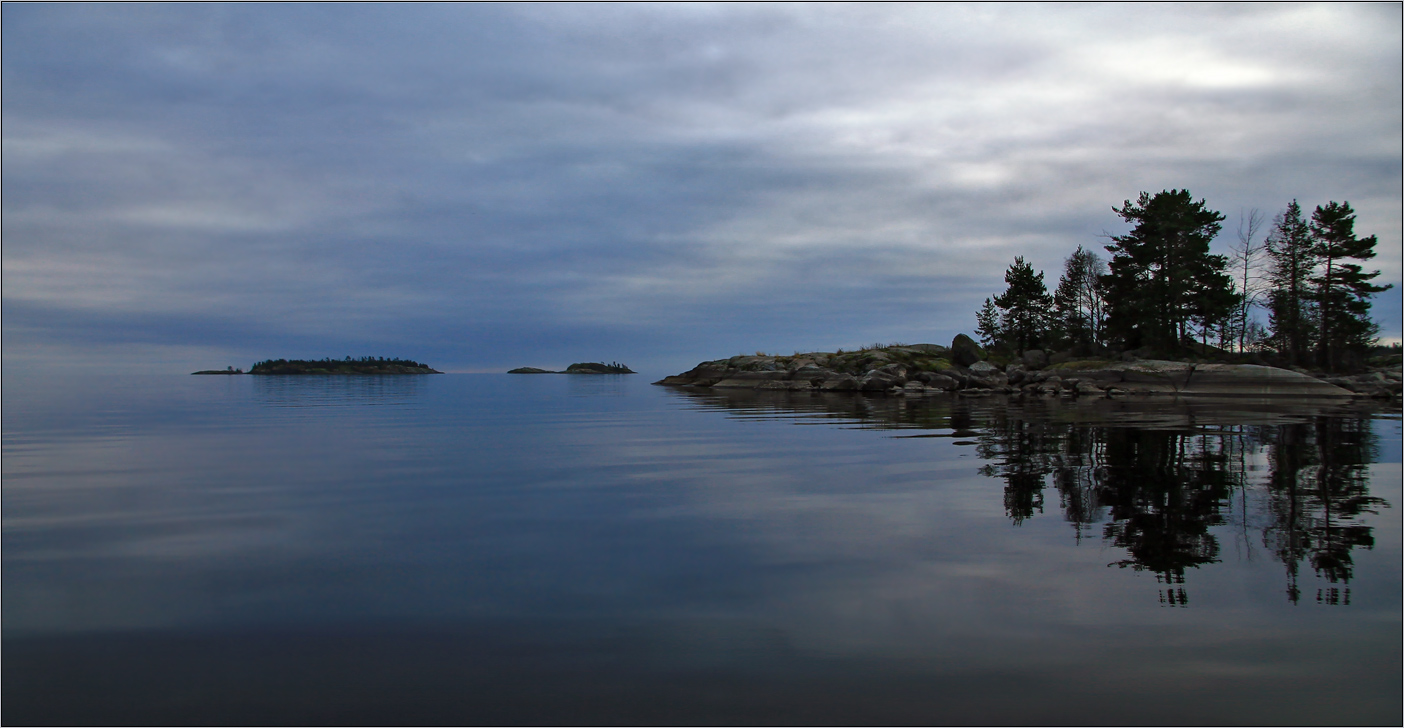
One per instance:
(963, 369)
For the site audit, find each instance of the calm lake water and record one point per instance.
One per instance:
(554, 549)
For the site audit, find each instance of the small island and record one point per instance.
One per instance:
(1163, 316)
(364, 365)
(579, 368)
(966, 369)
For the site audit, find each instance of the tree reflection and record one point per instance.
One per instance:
(1160, 479)
(1160, 492)
(1318, 489)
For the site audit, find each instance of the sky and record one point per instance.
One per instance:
(482, 187)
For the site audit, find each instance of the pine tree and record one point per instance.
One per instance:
(1291, 312)
(987, 325)
(1162, 276)
(1026, 306)
(1343, 290)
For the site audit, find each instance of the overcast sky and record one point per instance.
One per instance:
(490, 186)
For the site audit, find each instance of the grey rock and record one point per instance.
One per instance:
(943, 382)
(810, 373)
(964, 350)
(983, 369)
(877, 382)
(1035, 359)
(841, 383)
(896, 371)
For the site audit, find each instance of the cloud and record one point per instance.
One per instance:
(668, 179)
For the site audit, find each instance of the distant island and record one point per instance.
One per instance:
(579, 368)
(364, 365)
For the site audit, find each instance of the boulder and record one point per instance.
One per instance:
(983, 369)
(941, 381)
(1084, 389)
(1035, 359)
(878, 382)
(964, 350)
(841, 383)
(896, 371)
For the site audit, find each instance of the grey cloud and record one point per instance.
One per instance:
(665, 178)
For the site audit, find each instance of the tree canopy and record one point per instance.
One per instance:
(1162, 277)
(1026, 306)
(1163, 289)
(1343, 289)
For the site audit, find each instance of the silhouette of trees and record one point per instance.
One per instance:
(1079, 306)
(363, 365)
(1246, 261)
(1162, 288)
(1162, 277)
(1290, 308)
(987, 325)
(1343, 289)
(1025, 307)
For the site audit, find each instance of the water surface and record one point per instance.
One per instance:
(516, 549)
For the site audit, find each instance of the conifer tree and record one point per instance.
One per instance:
(1162, 276)
(987, 325)
(1291, 311)
(1026, 306)
(1343, 290)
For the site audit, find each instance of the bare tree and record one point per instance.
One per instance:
(1246, 260)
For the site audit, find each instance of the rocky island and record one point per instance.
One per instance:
(364, 365)
(579, 368)
(964, 369)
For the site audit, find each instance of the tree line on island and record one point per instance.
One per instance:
(1163, 294)
(363, 365)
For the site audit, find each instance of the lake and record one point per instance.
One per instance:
(593, 549)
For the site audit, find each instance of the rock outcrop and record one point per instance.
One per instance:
(925, 369)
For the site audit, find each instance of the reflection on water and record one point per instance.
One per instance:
(1160, 490)
(571, 549)
(337, 390)
(1155, 475)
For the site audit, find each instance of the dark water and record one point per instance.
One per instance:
(551, 549)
